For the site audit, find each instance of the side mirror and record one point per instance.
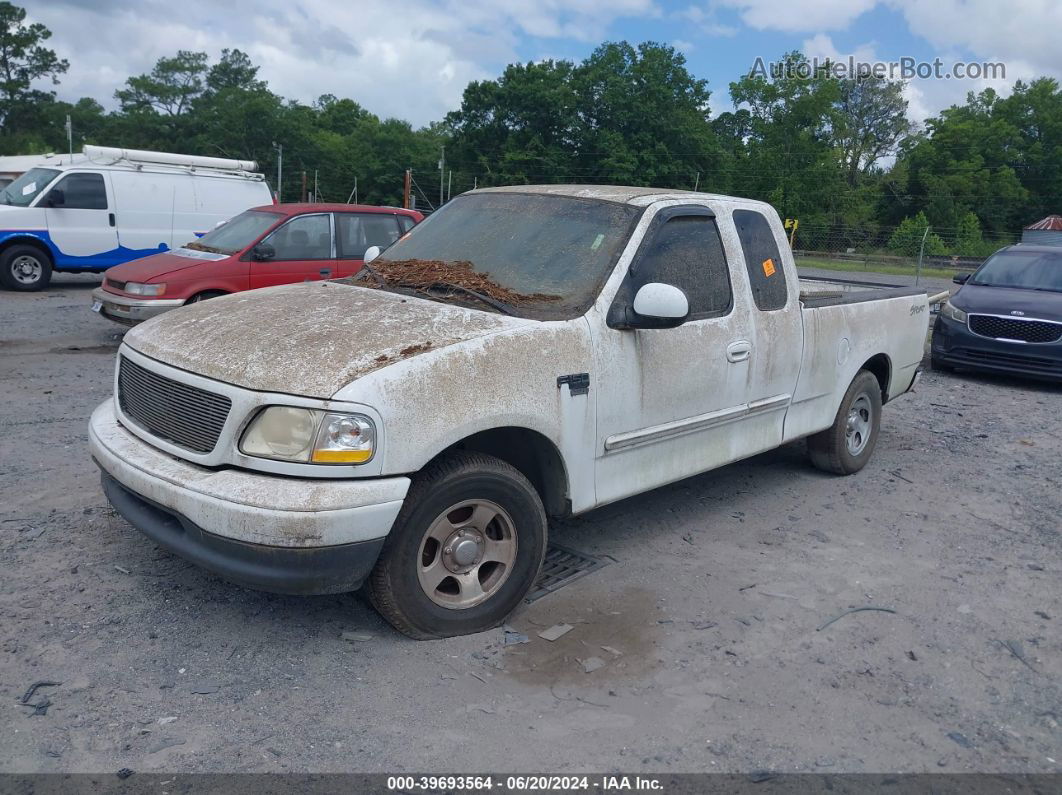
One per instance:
(263, 252)
(655, 305)
(56, 198)
(371, 253)
(960, 278)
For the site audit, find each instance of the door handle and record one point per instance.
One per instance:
(738, 351)
(326, 273)
(110, 218)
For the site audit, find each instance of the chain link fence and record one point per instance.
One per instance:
(894, 250)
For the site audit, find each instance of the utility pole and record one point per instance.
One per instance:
(316, 197)
(70, 136)
(280, 166)
(406, 188)
(303, 196)
(442, 165)
(449, 184)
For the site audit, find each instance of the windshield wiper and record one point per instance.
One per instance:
(503, 308)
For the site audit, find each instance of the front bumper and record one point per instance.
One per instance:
(130, 311)
(287, 535)
(955, 345)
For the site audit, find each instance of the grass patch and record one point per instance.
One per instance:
(874, 267)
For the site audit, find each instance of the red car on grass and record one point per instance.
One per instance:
(262, 247)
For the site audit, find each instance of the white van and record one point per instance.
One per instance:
(108, 206)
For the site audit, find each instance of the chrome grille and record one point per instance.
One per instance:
(1014, 329)
(184, 415)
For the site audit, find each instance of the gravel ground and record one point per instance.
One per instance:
(710, 611)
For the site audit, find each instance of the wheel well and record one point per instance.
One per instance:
(27, 241)
(881, 367)
(206, 294)
(533, 454)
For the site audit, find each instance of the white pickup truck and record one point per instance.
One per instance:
(524, 353)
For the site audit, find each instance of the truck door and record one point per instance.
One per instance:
(303, 251)
(672, 402)
(81, 221)
(777, 325)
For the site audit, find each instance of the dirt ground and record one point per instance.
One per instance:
(711, 609)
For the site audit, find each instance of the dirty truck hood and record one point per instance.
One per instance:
(307, 339)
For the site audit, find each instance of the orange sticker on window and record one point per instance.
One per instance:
(768, 267)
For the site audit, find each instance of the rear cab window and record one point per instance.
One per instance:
(762, 260)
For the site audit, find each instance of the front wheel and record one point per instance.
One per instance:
(845, 447)
(25, 268)
(465, 549)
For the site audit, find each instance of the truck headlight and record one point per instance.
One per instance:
(308, 435)
(136, 288)
(950, 311)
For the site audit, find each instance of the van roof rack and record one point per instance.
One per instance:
(142, 156)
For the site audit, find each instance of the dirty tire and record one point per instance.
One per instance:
(394, 586)
(831, 450)
(25, 268)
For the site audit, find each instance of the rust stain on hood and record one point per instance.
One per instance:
(306, 339)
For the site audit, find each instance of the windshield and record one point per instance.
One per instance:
(26, 188)
(236, 234)
(538, 256)
(1029, 270)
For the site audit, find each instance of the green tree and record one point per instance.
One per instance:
(907, 238)
(234, 71)
(169, 88)
(519, 127)
(643, 118)
(23, 60)
(870, 119)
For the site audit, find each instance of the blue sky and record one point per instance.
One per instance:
(413, 59)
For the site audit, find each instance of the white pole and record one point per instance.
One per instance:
(70, 136)
(315, 196)
(442, 166)
(449, 185)
(921, 251)
(280, 167)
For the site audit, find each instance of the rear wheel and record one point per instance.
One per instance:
(845, 447)
(464, 550)
(25, 268)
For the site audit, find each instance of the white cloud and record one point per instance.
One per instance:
(821, 46)
(683, 46)
(410, 60)
(926, 97)
(799, 16)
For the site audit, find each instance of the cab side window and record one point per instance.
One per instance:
(687, 252)
(406, 223)
(356, 232)
(303, 237)
(83, 192)
(762, 260)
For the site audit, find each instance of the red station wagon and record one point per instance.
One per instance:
(262, 247)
